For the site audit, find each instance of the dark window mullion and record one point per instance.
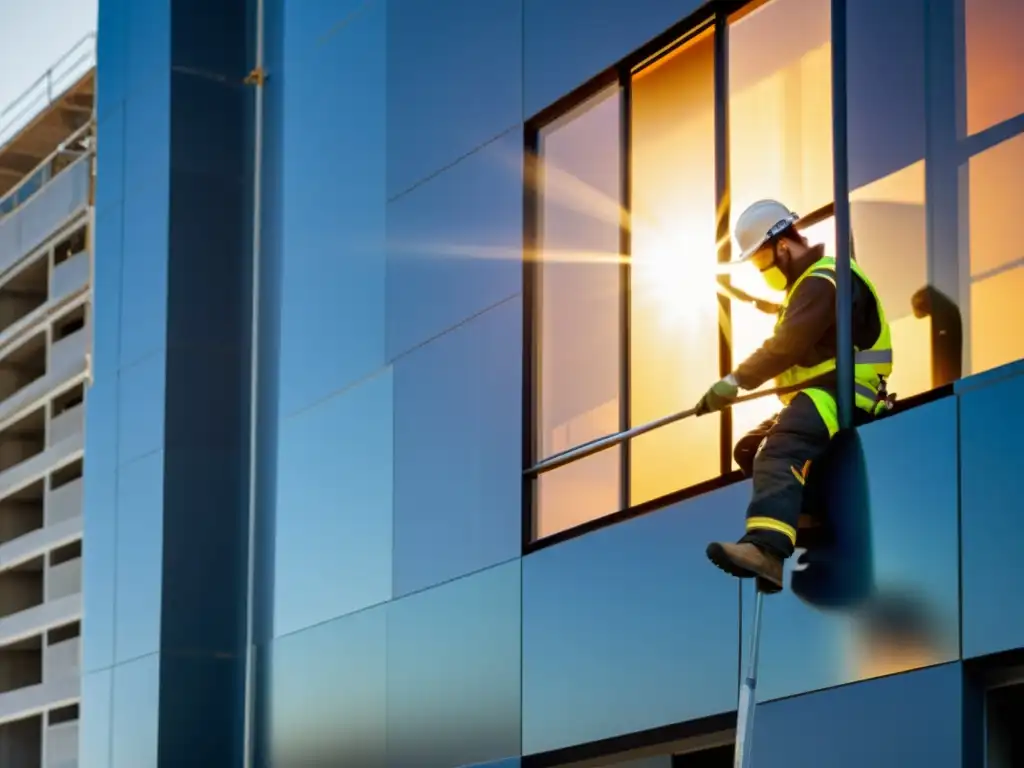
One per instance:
(840, 179)
(531, 338)
(723, 208)
(625, 250)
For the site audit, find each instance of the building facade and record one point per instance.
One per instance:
(46, 181)
(362, 267)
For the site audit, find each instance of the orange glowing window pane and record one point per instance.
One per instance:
(996, 265)
(673, 309)
(780, 145)
(578, 311)
(996, 318)
(995, 61)
(890, 236)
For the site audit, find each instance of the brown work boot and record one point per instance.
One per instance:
(746, 561)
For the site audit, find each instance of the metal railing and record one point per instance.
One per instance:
(584, 450)
(50, 86)
(74, 147)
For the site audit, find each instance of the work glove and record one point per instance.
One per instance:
(721, 394)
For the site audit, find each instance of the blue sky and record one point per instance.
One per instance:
(34, 34)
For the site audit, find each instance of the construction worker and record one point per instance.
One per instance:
(801, 357)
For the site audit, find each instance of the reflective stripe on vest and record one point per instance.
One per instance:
(868, 364)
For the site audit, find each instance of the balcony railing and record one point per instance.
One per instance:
(53, 84)
(68, 155)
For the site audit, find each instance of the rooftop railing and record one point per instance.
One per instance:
(53, 84)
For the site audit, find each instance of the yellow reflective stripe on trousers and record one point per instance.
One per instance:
(770, 524)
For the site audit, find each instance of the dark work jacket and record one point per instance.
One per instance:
(807, 335)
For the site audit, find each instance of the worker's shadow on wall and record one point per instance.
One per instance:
(834, 566)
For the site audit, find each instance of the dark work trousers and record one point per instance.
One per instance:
(778, 453)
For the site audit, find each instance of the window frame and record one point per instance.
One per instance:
(716, 17)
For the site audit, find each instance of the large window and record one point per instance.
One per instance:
(991, 257)
(636, 186)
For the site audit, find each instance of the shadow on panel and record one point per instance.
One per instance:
(611, 643)
(883, 597)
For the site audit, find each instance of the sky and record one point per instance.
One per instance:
(36, 33)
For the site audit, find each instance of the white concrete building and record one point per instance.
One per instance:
(46, 183)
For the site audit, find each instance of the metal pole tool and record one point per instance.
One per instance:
(744, 757)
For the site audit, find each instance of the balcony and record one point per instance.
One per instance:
(57, 201)
(62, 745)
(69, 276)
(64, 579)
(69, 422)
(38, 698)
(64, 503)
(40, 617)
(61, 659)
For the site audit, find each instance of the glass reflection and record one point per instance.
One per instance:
(578, 310)
(674, 336)
(996, 267)
(890, 237)
(995, 62)
(780, 142)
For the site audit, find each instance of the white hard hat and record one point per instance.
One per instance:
(758, 224)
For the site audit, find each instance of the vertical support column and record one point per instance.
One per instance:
(723, 208)
(208, 388)
(945, 190)
(172, 369)
(625, 275)
(841, 195)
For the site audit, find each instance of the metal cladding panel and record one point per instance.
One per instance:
(878, 591)
(902, 720)
(629, 627)
(991, 458)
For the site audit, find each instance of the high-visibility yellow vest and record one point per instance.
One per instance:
(868, 364)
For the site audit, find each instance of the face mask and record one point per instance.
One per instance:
(775, 279)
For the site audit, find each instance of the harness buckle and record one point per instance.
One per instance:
(884, 398)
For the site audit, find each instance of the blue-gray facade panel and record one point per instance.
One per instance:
(567, 43)
(628, 628)
(455, 244)
(334, 502)
(453, 671)
(458, 405)
(991, 458)
(327, 694)
(95, 722)
(135, 714)
(452, 90)
(903, 720)
(332, 199)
